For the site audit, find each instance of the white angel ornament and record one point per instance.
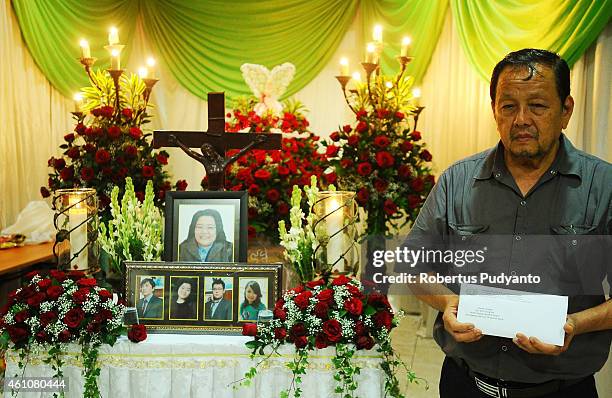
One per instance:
(268, 85)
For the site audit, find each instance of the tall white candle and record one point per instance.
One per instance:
(416, 96)
(85, 51)
(405, 44)
(371, 53)
(151, 67)
(344, 66)
(113, 36)
(77, 216)
(335, 220)
(115, 60)
(78, 102)
(377, 34)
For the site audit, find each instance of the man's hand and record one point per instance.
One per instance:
(461, 332)
(534, 346)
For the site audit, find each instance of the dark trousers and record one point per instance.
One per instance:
(456, 383)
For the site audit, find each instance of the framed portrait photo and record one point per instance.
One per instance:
(206, 227)
(201, 297)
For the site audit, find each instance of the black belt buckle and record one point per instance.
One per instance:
(490, 389)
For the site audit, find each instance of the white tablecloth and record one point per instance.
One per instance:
(200, 366)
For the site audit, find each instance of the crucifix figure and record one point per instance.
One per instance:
(215, 142)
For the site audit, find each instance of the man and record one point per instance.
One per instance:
(218, 308)
(534, 182)
(149, 306)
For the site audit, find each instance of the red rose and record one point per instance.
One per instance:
(430, 179)
(21, 316)
(399, 115)
(138, 333)
(44, 192)
(378, 300)
(36, 299)
(362, 196)
(415, 135)
(298, 289)
(283, 208)
(44, 283)
(425, 155)
(140, 196)
(332, 151)
(360, 328)
(361, 126)
(59, 276)
(315, 283)
(414, 201)
(253, 189)
(148, 171)
(59, 164)
(94, 327)
(64, 336)
(67, 173)
(347, 128)
(130, 151)
(89, 148)
(297, 330)
(102, 156)
(382, 141)
(114, 132)
(127, 112)
(364, 169)
(122, 172)
(69, 137)
(326, 295)
(161, 158)
(73, 153)
(262, 174)
(54, 292)
(353, 306)
(335, 136)
(384, 159)
(303, 299)
(382, 113)
(321, 341)
(135, 132)
(321, 309)
(301, 341)
(107, 111)
(406, 146)
(79, 128)
(330, 178)
(181, 185)
(279, 313)
(332, 330)
(107, 171)
(280, 303)
(47, 317)
(341, 280)
(404, 172)
(80, 295)
(273, 195)
(105, 294)
(87, 173)
(383, 319)
(346, 163)
(249, 329)
(74, 317)
(417, 184)
(390, 207)
(76, 275)
(282, 170)
(361, 114)
(364, 343)
(87, 282)
(280, 333)
(380, 185)
(17, 333)
(353, 140)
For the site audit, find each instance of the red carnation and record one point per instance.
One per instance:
(73, 153)
(335, 136)
(415, 135)
(364, 169)
(333, 330)
(384, 159)
(332, 151)
(74, 317)
(148, 171)
(425, 155)
(353, 140)
(87, 173)
(135, 132)
(262, 174)
(162, 158)
(361, 126)
(362, 196)
(390, 207)
(353, 306)
(298, 289)
(102, 156)
(181, 185)
(382, 141)
(414, 201)
(114, 132)
(137, 333)
(273, 195)
(380, 185)
(253, 189)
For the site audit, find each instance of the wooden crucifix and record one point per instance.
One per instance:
(215, 142)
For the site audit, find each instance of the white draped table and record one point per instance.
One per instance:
(200, 366)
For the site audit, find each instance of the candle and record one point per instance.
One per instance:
(344, 66)
(416, 95)
(357, 77)
(151, 65)
(78, 102)
(143, 72)
(377, 35)
(113, 36)
(85, 52)
(77, 216)
(388, 84)
(115, 59)
(371, 53)
(405, 44)
(335, 220)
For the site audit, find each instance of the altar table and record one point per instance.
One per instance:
(200, 366)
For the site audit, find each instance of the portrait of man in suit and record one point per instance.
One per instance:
(218, 306)
(149, 306)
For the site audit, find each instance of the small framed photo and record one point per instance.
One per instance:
(204, 298)
(206, 227)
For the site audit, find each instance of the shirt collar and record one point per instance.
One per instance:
(566, 162)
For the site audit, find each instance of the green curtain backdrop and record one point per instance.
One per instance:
(422, 20)
(491, 29)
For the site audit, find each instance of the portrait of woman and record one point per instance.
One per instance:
(183, 302)
(250, 307)
(206, 240)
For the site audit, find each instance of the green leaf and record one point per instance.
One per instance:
(369, 310)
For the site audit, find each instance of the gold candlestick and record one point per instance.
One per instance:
(418, 111)
(116, 75)
(149, 83)
(343, 80)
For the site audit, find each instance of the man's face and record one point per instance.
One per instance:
(205, 231)
(528, 113)
(146, 289)
(218, 291)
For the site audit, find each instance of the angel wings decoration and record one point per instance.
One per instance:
(268, 85)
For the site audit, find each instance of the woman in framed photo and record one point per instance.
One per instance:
(182, 306)
(250, 307)
(206, 241)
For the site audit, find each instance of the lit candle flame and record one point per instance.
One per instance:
(377, 35)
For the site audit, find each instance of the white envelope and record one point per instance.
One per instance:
(505, 312)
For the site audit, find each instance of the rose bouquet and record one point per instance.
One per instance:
(109, 144)
(61, 308)
(329, 312)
